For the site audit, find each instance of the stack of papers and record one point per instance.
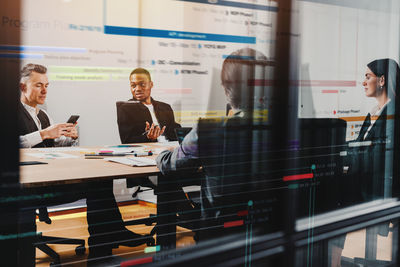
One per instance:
(61, 149)
(53, 155)
(133, 161)
(126, 150)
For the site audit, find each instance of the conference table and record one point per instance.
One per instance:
(64, 172)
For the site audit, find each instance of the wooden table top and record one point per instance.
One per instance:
(77, 170)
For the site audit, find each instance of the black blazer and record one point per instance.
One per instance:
(369, 160)
(132, 116)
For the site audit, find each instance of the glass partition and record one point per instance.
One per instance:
(285, 111)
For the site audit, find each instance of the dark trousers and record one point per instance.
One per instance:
(103, 216)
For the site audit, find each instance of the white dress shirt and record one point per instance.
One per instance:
(376, 111)
(34, 138)
(161, 138)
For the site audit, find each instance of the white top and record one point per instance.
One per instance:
(34, 138)
(376, 111)
(153, 115)
(161, 138)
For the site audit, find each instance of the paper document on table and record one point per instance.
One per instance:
(61, 149)
(124, 145)
(134, 161)
(127, 150)
(53, 155)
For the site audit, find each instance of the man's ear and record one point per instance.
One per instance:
(22, 87)
(382, 81)
(151, 84)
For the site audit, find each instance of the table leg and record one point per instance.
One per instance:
(166, 213)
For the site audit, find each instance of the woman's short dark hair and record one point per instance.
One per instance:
(238, 74)
(389, 69)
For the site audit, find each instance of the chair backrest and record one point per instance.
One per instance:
(321, 151)
(236, 192)
(245, 171)
(129, 121)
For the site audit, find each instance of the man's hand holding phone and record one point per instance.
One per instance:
(56, 130)
(71, 131)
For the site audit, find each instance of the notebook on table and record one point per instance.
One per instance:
(134, 161)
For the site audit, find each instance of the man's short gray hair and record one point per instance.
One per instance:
(29, 68)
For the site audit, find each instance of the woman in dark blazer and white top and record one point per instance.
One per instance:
(374, 158)
(371, 159)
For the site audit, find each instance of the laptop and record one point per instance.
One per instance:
(181, 132)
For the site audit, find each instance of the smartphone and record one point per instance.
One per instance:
(73, 119)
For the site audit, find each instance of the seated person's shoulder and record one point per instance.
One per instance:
(219, 125)
(162, 104)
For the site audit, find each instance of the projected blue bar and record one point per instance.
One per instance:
(238, 57)
(178, 35)
(32, 56)
(42, 48)
(235, 4)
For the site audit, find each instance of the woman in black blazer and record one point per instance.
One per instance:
(374, 155)
(372, 172)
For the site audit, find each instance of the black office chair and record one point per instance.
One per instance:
(188, 207)
(189, 212)
(43, 241)
(242, 188)
(142, 185)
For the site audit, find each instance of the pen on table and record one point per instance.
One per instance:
(112, 154)
(93, 156)
(142, 154)
(107, 154)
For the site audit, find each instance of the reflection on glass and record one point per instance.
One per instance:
(371, 246)
(268, 139)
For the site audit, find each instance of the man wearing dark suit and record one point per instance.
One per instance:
(143, 119)
(36, 129)
(221, 149)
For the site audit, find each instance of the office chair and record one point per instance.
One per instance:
(237, 190)
(125, 116)
(43, 241)
(188, 211)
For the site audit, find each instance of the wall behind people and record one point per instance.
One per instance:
(183, 44)
(337, 41)
(89, 58)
